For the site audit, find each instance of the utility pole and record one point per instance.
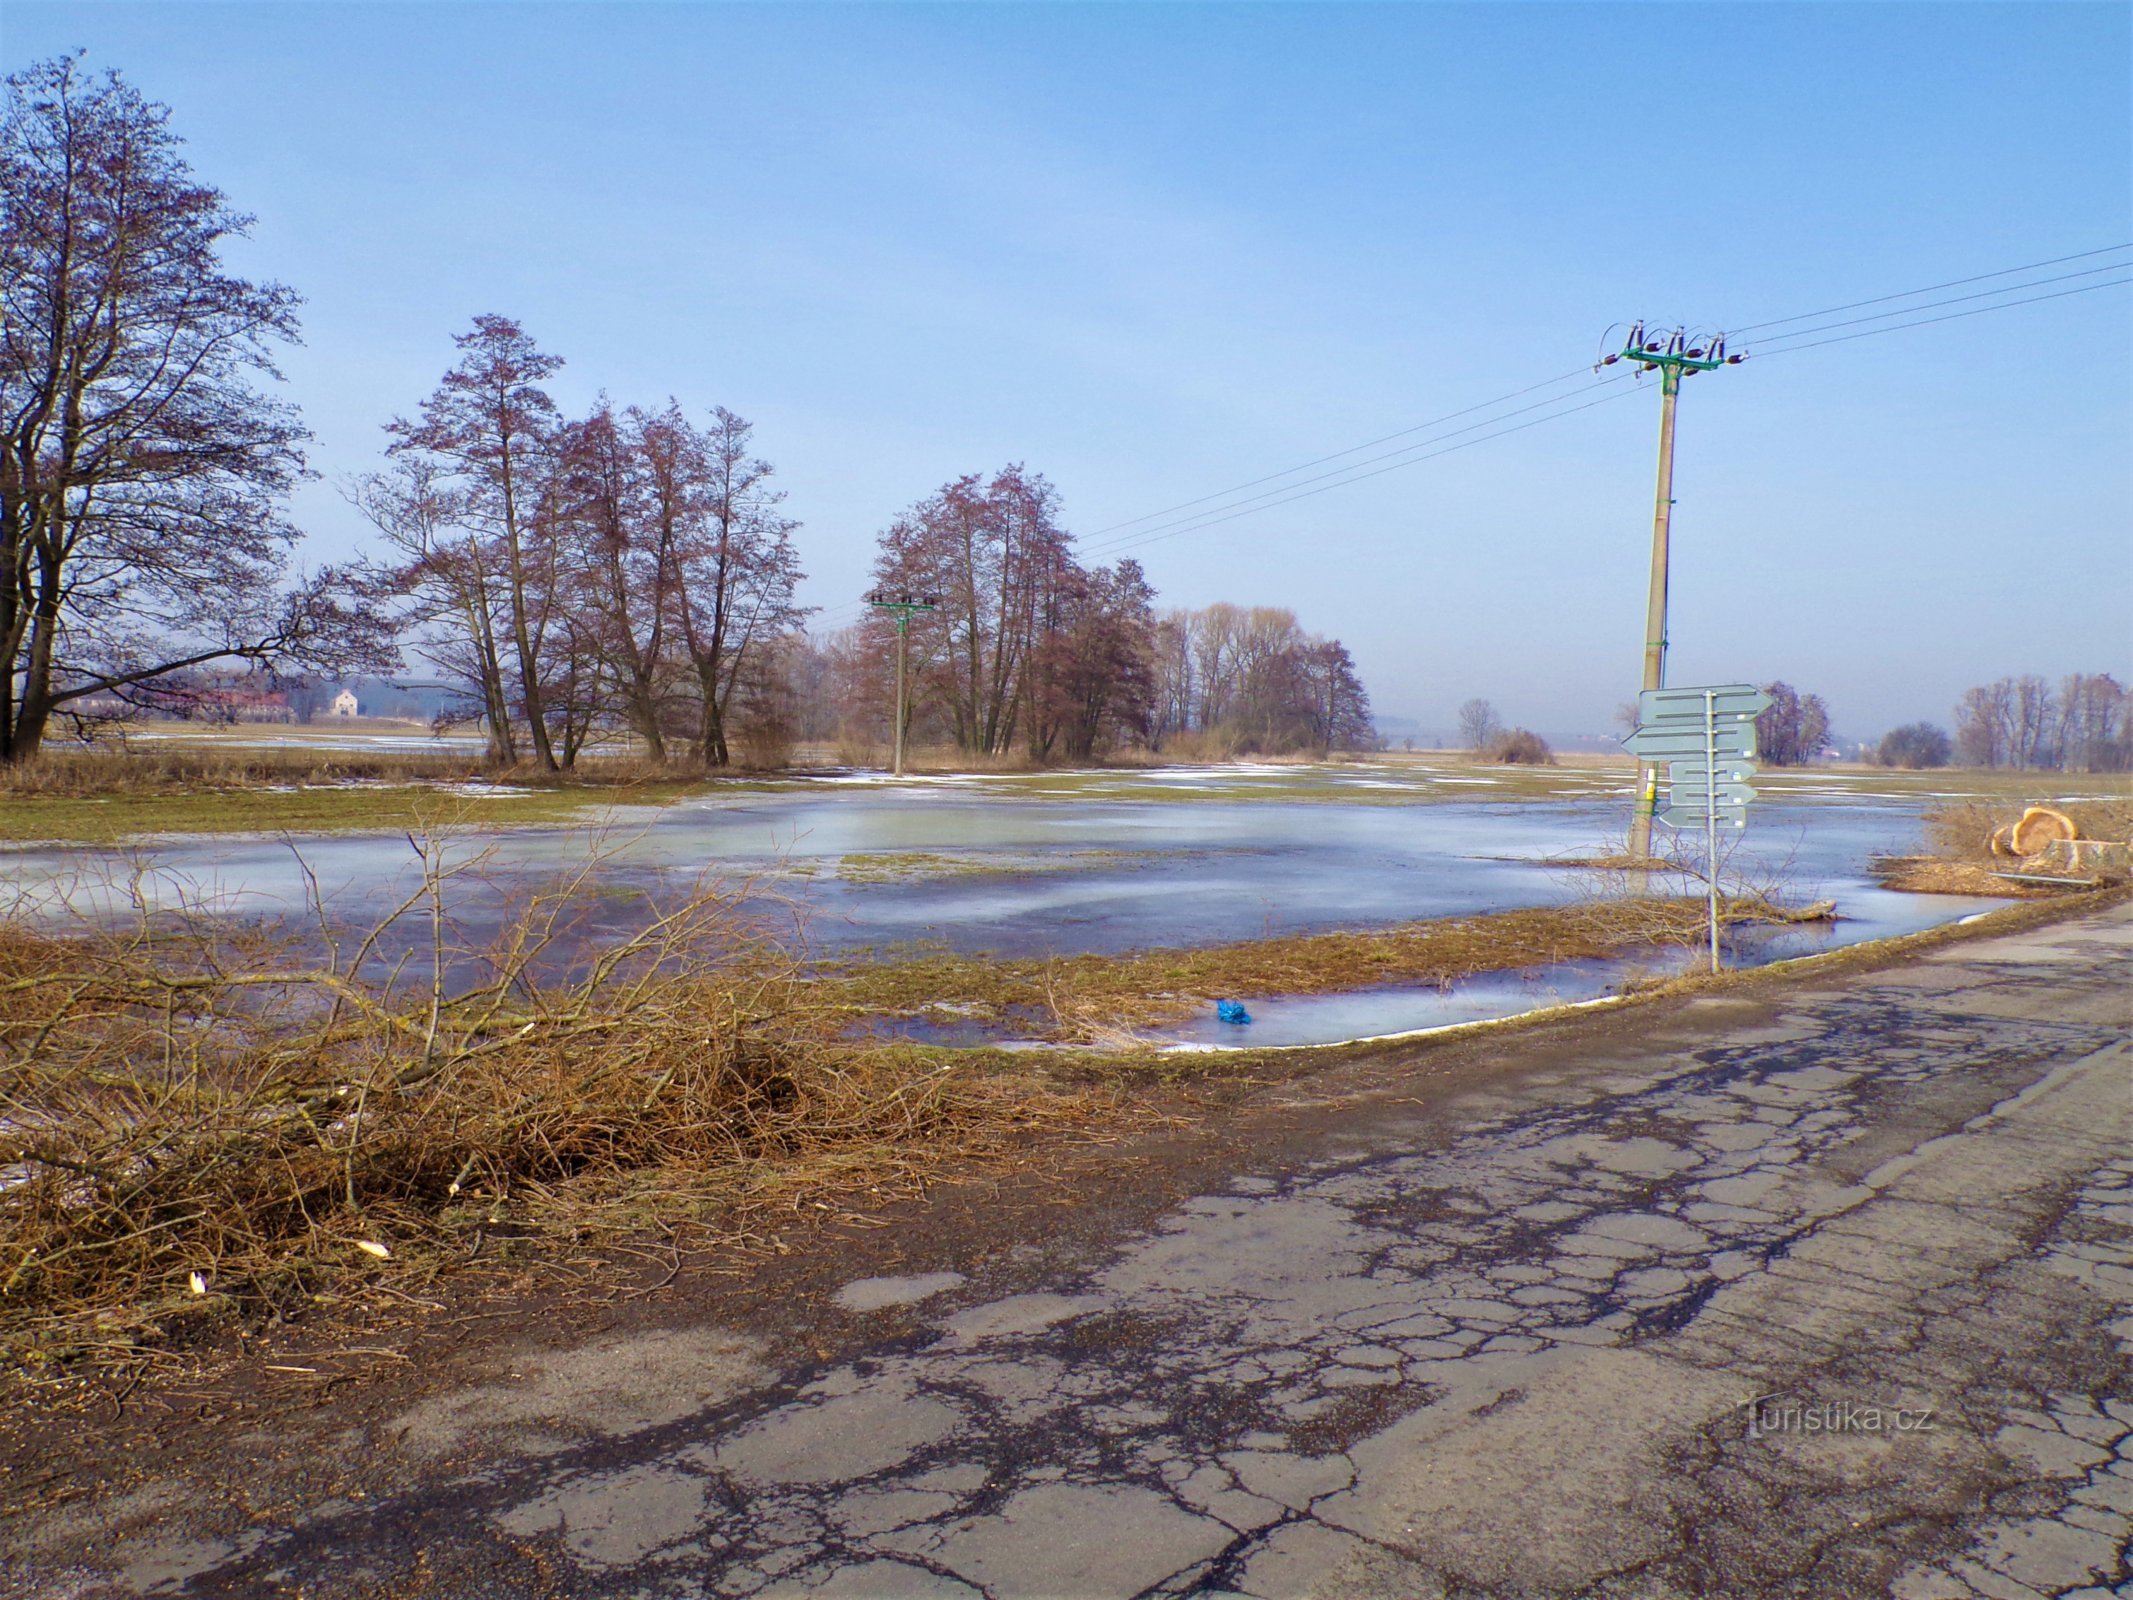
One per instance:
(1672, 356)
(902, 607)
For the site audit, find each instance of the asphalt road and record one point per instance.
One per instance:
(1825, 1296)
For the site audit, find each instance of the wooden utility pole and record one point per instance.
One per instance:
(1671, 357)
(1640, 828)
(902, 607)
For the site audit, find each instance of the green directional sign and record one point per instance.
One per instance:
(1691, 796)
(1682, 819)
(1705, 738)
(1694, 774)
(1686, 742)
(1687, 708)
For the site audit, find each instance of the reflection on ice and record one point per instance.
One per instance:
(1031, 875)
(1297, 1020)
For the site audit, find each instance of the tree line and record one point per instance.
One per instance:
(627, 570)
(622, 569)
(2084, 723)
(1020, 649)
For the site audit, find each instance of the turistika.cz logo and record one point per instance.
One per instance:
(1785, 1413)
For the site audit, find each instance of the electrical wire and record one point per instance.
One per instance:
(1450, 416)
(1953, 300)
(1214, 520)
(1778, 345)
(1931, 288)
(1975, 311)
(1420, 444)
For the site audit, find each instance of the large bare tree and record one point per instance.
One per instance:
(1793, 728)
(491, 429)
(1090, 681)
(142, 470)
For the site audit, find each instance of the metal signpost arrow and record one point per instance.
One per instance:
(1728, 702)
(1705, 738)
(1667, 743)
(1689, 795)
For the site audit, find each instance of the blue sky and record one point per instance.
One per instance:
(1153, 251)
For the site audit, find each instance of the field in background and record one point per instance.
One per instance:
(386, 778)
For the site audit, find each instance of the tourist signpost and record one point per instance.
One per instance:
(1705, 738)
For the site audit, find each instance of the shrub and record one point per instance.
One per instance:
(1520, 747)
(1915, 745)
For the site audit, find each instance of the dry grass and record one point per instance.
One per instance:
(1520, 747)
(1959, 858)
(186, 768)
(103, 796)
(164, 770)
(195, 1125)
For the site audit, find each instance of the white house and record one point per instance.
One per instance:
(344, 704)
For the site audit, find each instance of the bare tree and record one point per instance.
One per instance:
(2094, 709)
(994, 552)
(1252, 679)
(491, 428)
(1339, 702)
(1214, 655)
(734, 571)
(630, 488)
(841, 688)
(1089, 683)
(142, 473)
(1984, 724)
(2037, 741)
(2024, 722)
(1171, 664)
(1478, 724)
(454, 602)
(1915, 745)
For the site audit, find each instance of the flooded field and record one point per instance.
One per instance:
(1070, 863)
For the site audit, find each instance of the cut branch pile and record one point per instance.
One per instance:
(195, 1123)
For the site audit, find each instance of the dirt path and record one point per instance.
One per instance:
(1819, 1291)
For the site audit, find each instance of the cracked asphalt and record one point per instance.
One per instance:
(1830, 1295)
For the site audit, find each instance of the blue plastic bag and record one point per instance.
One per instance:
(1231, 1011)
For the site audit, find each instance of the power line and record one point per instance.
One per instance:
(1277, 497)
(1952, 283)
(1421, 444)
(1341, 478)
(1465, 444)
(1976, 311)
(1953, 300)
(1451, 416)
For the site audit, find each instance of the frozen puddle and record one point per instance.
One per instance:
(1322, 1019)
(1325, 1019)
(1362, 1016)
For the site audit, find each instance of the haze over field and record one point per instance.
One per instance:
(1154, 252)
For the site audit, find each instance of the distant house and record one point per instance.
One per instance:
(345, 705)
